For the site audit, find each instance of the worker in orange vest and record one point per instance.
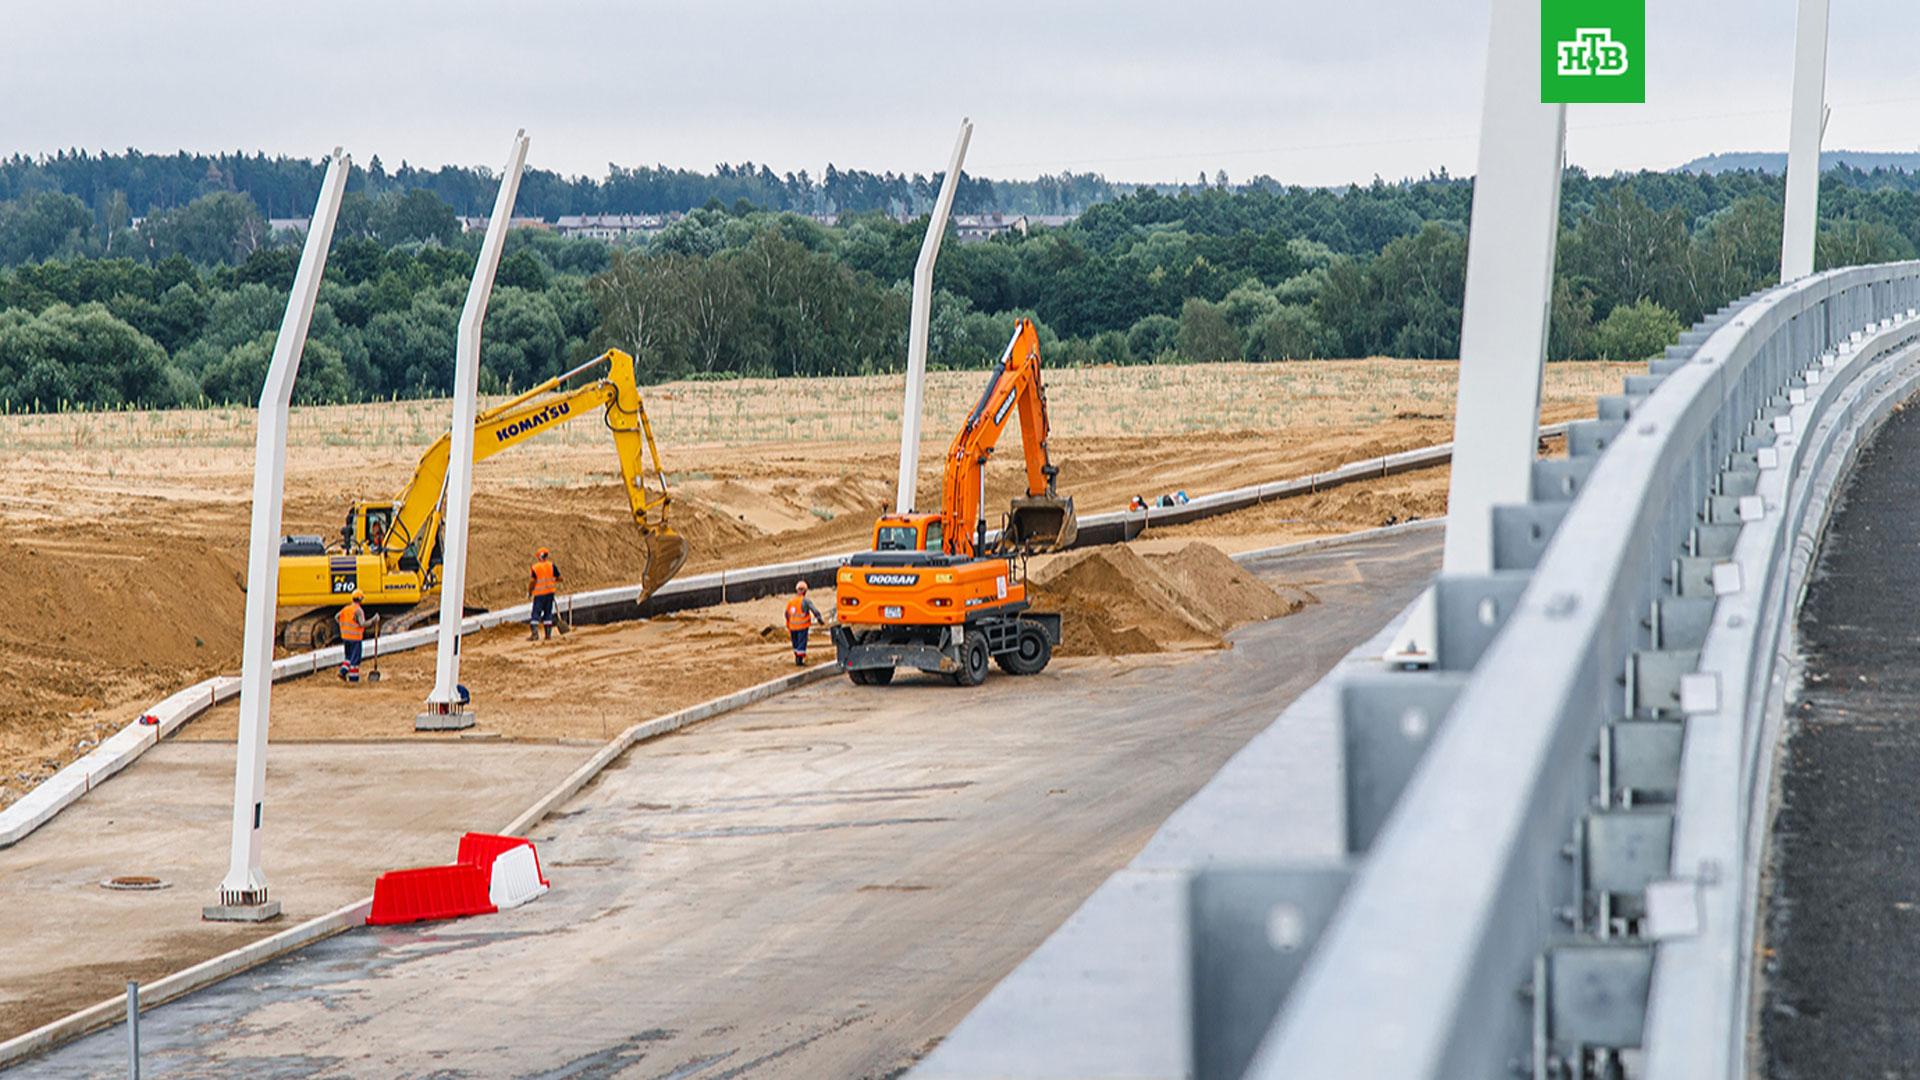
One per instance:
(544, 583)
(353, 631)
(801, 615)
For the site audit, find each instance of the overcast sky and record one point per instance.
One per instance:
(1309, 91)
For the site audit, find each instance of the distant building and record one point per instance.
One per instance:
(974, 227)
(479, 224)
(612, 226)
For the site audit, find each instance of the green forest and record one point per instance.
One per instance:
(182, 307)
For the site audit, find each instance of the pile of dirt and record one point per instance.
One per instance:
(1115, 602)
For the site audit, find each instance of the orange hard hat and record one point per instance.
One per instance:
(358, 595)
(542, 553)
(800, 586)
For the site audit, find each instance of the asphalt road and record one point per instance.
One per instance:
(1842, 925)
(820, 885)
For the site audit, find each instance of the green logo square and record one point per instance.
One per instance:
(1593, 50)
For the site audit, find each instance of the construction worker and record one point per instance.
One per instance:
(544, 582)
(353, 631)
(801, 616)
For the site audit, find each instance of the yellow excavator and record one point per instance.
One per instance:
(391, 549)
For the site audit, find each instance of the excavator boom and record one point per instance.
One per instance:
(391, 549)
(1040, 520)
(535, 411)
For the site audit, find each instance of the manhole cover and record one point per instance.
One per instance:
(135, 882)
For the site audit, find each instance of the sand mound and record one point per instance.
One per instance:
(1115, 601)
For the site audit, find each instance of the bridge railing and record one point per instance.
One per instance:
(1546, 862)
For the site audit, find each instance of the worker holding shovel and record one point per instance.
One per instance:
(353, 633)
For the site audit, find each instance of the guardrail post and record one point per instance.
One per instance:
(243, 892)
(1503, 327)
(133, 1030)
(918, 324)
(444, 708)
(1809, 123)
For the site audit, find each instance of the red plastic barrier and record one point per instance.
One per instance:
(480, 849)
(430, 892)
(445, 892)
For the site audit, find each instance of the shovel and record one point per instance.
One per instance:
(566, 617)
(373, 667)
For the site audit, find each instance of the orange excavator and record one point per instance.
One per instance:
(938, 592)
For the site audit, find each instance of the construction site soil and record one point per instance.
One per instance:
(1114, 601)
(127, 531)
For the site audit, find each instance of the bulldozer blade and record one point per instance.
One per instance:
(1042, 523)
(666, 554)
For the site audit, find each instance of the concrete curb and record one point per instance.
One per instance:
(681, 594)
(1301, 547)
(661, 725)
(180, 983)
(207, 972)
(114, 753)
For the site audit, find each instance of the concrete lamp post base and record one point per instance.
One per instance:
(440, 717)
(260, 912)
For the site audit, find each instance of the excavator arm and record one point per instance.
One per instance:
(1042, 519)
(528, 415)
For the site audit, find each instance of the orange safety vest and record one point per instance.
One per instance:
(798, 618)
(351, 628)
(545, 578)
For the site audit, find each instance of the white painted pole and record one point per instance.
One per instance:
(1803, 141)
(917, 327)
(444, 701)
(1503, 328)
(243, 893)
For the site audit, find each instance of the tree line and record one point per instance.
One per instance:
(287, 186)
(183, 308)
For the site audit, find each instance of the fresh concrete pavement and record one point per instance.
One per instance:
(819, 885)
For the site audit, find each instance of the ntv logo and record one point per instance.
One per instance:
(1592, 52)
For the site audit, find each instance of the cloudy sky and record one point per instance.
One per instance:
(1310, 91)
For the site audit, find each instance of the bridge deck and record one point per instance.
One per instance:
(1843, 907)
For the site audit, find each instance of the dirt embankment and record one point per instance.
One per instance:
(1115, 601)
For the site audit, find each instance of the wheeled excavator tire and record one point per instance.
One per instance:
(973, 660)
(1030, 653)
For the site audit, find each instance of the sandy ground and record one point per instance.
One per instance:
(126, 532)
(590, 684)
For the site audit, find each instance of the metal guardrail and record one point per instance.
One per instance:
(1544, 849)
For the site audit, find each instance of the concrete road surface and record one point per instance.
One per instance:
(337, 815)
(818, 886)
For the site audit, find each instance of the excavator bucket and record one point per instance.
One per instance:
(1042, 523)
(666, 554)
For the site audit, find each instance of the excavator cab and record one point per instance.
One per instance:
(366, 528)
(908, 532)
